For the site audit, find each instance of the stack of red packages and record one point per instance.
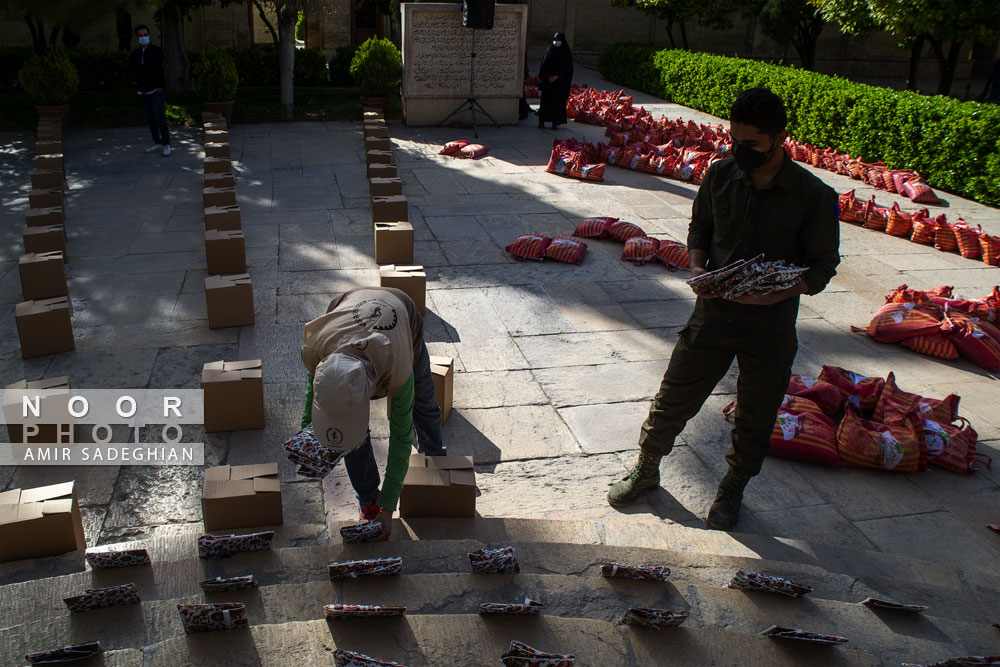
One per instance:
(572, 158)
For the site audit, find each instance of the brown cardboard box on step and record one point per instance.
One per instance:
(393, 242)
(372, 114)
(379, 130)
(43, 275)
(223, 179)
(409, 279)
(218, 165)
(389, 209)
(44, 327)
(385, 187)
(241, 496)
(45, 239)
(50, 161)
(47, 178)
(45, 197)
(217, 150)
(40, 522)
(225, 218)
(225, 251)
(380, 157)
(218, 196)
(216, 136)
(229, 300)
(44, 217)
(378, 144)
(48, 147)
(234, 395)
(443, 370)
(54, 423)
(438, 486)
(376, 170)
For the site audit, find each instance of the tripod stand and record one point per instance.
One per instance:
(470, 103)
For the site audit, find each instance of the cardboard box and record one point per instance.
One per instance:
(389, 209)
(376, 129)
(409, 279)
(443, 370)
(376, 170)
(223, 218)
(44, 327)
(47, 178)
(213, 122)
(217, 136)
(48, 132)
(44, 217)
(214, 149)
(50, 161)
(48, 147)
(212, 196)
(59, 426)
(40, 522)
(378, 144)
(372, 114)
(45, 239)
(241, 496)
(225, 251)
(229, 299)
(224, 179)
(393, 242)
(218, 165)
(234, 395)
(384, 187)
(45, 197)
(43, 275)
(380, 157)
(439, 486)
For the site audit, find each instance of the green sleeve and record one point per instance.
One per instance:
(400, 444)
(307, 410)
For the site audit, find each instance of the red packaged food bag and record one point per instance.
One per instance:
(919, 192)
(860, 391)
(990, 249)
(973, 342)
(983, 309)
(897, 321)
(903, 294)
(957, 446)
(566, 249)
(592, 172)
(868, 444)
(923, 229)
(823, 394)
(640, 249)
(847, 204)
(875, 217)
(594, 228)
(944, 236)
(933, 345)
(674, 255)
(898, 223)
(453, 147)
(472, 151)
(968, 239)
(803, 433)
(529, 246)
(895, 400)
(623, 231)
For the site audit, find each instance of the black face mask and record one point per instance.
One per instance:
(747, 158)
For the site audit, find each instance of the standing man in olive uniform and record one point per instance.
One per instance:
(758, 202)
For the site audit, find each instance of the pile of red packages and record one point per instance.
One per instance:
(639, 247)
(937, 323)
(461, 148)
(844, 418)
(919, 227)
(576, 159)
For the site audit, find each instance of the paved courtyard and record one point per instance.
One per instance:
(555, 364)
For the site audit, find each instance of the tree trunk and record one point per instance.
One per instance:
(670, 32)
(804, 39)
(37, 29)
(267, 22)
(948, 71)
(287, 17)
(915, 50)
(684, 35)
(54, 34)
(178, 67)
(123, 28)
(994, 77)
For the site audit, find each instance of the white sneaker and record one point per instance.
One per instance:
(166, 151)
(152, 148)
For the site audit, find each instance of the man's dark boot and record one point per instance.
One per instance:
(645, 475)
(726, 508)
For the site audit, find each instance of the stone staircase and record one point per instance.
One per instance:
(560, 563)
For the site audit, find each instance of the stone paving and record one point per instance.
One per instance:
(555, 364)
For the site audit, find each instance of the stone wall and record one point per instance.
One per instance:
(437, 63)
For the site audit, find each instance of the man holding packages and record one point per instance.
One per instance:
(369, 345)
(759, 202)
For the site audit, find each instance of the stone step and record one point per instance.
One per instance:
(893, 637)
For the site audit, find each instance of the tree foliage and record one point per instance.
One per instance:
(678, 13)
(794, 21)
(47, 18)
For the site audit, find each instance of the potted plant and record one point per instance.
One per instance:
(50, 80)
(377, 67)
(216, 81)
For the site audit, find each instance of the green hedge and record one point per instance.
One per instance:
(257, 66)
(954, 145)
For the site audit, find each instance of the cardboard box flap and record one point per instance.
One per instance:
(11, 497)
(427, 477)
(402, 271)
(231, 371)
(266, 485)
(217, 474)
(40, 306)
(462, 477)
(227, 280)
(442, 361)
(30, 257)
(17, 513)
(231, 488)
(254, 470)
(43, 493)
(449, 462)
(62, 506)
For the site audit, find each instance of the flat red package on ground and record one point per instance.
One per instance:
(803, 433)
(529, 246)
(868, 444)
(893, 399)
(623, 231)
(453, 147)
(826, 396)
(674, 255)
(860, 391)
(594, 228)
(920, 192)
(933, 345)
(472, 151)
(897, 321)
(640, 249)
(566, 249)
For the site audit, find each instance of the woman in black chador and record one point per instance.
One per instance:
(555, 77)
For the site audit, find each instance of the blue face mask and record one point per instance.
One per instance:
(144, 41)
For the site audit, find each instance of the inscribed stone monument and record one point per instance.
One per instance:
(437, 63)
